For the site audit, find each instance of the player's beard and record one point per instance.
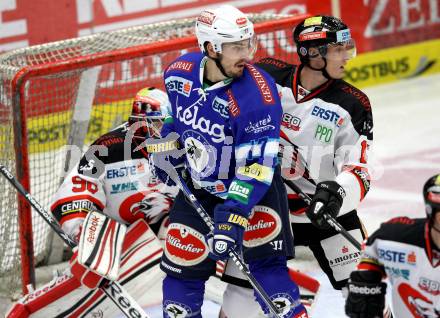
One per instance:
(234, 71)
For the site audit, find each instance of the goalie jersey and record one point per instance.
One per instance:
(230, 130)
(116, 180)
(403, 251)
(326, 134)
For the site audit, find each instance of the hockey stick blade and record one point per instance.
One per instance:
(122, 299)
(232, 253)
(330, 220)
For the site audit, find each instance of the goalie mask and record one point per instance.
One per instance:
(150, 106)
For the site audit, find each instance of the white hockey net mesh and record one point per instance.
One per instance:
(49, 104)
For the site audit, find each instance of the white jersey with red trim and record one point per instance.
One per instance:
(113, 178)
(326, 134)
(402, 249)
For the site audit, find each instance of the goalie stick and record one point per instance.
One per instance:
(113, 290)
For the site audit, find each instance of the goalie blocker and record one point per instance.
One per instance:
(64, 296)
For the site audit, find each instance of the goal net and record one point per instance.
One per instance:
(69, 93)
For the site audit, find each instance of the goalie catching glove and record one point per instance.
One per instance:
(328, 200)
(229, 227)
(96, 258)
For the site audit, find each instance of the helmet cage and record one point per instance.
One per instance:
(322, 40)
(147, 113)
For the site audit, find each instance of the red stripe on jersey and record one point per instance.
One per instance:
(298, 212)
(313, 93)
(72, 216)
(370, 267)
(361, 184)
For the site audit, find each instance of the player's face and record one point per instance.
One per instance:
(337, 57)
(235, 55)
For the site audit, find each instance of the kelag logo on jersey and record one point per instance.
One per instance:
(179, 84)
(221, 107)
(328, 115)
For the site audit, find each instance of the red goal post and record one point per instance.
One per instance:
(69, 93)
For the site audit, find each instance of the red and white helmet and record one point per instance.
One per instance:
(150, 106)
(225, 24)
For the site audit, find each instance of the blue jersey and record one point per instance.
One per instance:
(230, 131)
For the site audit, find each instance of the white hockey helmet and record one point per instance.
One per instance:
(224, 24)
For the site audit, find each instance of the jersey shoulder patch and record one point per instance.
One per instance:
(280, 71)
(402, 230)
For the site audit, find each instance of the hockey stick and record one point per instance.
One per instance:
(232, 253)
(113, 290)
(330, 220)
(335, 224)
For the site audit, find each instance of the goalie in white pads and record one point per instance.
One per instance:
(117, 210)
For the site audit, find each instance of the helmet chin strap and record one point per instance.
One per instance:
(219, 65)
(323, 69)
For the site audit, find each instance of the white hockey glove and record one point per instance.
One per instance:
(98, 253)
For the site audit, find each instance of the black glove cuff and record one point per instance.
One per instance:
(331, 187)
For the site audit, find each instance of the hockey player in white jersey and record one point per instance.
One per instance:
(326, 133)
(407, 252)
(113, 204)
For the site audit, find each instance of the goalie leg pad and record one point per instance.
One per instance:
(272, 273)
(182, 298)
(100, 244)
(65, 297)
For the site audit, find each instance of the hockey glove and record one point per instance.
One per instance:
(328, 199)
(366, 295)
(229, 227)
(97, 255)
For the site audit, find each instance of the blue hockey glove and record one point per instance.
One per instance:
(229, 227)
(328, 199)
(163, 175)
(166, 158)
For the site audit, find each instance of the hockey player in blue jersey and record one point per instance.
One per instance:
(227, 115)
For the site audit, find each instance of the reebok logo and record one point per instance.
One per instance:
(92, 230)
(365, 290)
